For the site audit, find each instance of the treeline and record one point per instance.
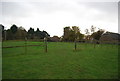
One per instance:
(70, 34)
(73, 34)
(16, 33)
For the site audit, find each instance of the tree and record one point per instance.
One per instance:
(66, 33)
(3, 31)
(45, 34)
(72, 34)
(2, 27)
(41, 34)
(9, 35)
(69, 34)
(80, 36)
(97, 35)
(21, 33)
(38, 33)
(76, 31)
(93, 29)
(13, 28)
(87, 32)
(31, 33)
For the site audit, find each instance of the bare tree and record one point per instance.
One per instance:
(93, 29)
(87, 32)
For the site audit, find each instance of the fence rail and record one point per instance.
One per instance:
(20, 46)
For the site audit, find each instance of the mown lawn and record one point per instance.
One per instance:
(60, 62)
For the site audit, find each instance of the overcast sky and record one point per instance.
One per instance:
(53, 15)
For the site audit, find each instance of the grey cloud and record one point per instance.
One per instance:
(109, 7)
(23, 10)
(14, 9)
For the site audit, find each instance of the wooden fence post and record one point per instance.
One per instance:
(45, 41)
(75, 45)
(25, 45)
(5, 35)
(95, 43)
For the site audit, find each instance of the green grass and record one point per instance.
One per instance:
(60, 62)
(19, 43)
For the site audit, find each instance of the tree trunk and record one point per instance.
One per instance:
(75, 45)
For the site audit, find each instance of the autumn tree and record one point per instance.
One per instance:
(66, 33)
(72, 34)
(76, 31)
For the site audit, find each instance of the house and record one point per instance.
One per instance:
(110, 37)
(55, 39)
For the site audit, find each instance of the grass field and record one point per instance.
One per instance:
(60, 62)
